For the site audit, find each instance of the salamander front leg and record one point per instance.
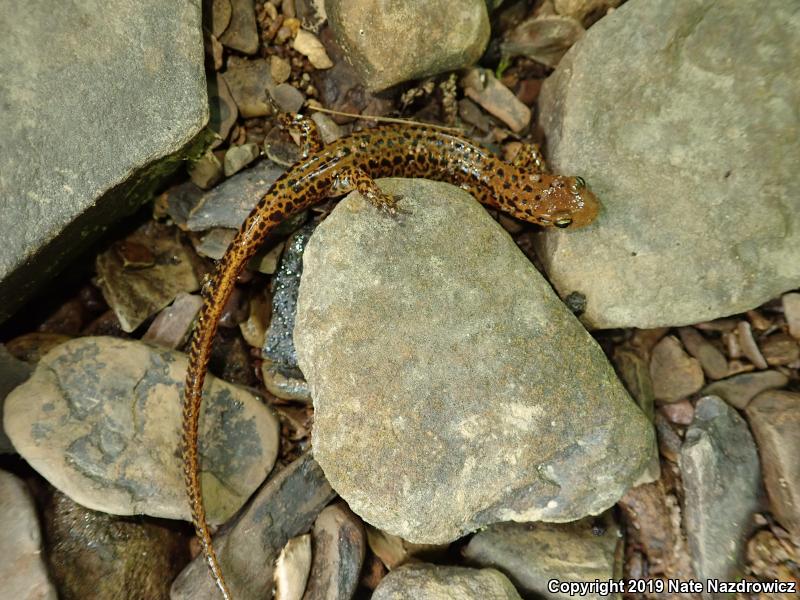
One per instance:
(354, 179)
(310, 138)
(530, 158)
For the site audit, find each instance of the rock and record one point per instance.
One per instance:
(172, 325)
(92, 124)
(721, 481)
(791, 308)
(484, 88)
(178, 202)
(436, 335)
(432, 582)
(30, 347)
(580, 9)
(214, 243)
(228, 204)
(775, 420)
(254, 329)
(285, 507)
(249, 82)
(288, 98)
(544, 38)
(100, 419)
(780, 349)
(217, 16)
(242, 33)
(675, 374)
(238, 157)
(679, 185)
(394, 551)
(139, 284)
(222, 106)
(328, 129)
(680, 413)
(635, 372)
(206, 172)
(339, 550)
(103, 557)
(389, 43)
(712, 360)
(13, 372)
(279, 347)
(532, 554)
(307, 44)
(292, 568)
(23, 574)
(740, 389)
(749, 345)
(279, 68)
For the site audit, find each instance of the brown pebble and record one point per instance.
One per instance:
(669, 442)
(780, 349)
(791, 310)
(675, 374)
(680, 413)
(739, 390)
(712, 360)
(749, 345)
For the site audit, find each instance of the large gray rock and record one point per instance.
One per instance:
(389, 42)
(285, 507)
(432, 582)
(533, 554)
(452, 389)
(23, 575)
(721, 480)
(99, 101)
(681, 116)
(100, 419)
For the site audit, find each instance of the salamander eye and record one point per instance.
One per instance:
(580, 182)
(563, 222)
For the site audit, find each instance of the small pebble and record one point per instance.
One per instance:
(279, 68)
(497, 99)
(680, 413)
(248, 82)
(780, 349)
(544, 38)
(328, 128)
(292, 568)
(712, 360)
(791, 310)
(206, 172)
(675, 374)
(171, 327)
(308, 44)
(242, 32)
(740, 389)
(238, 157)
(288, 98)
(472, 114)
(749, 345)
(669, 442)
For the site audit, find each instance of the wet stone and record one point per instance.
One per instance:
(432, 582)
(712, 360)
(285, 507)
(339, 549)
(740, 389)
(13, 372)
(137, 293)
(238, 157)
(100, 419)
(450, 367)
(241, 33)
(172, 325)
(713, 191)
(23, 573)
(722, 482)
(485, 89)
(675, 374)
(279, 346)
(104, 557)
(385, 50)
(228, 204)
(774, 417)
(532, 554)
(544, 38)
(248, 82)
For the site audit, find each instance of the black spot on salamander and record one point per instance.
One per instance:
(501, 173)
(398, 160)
(385, 162)
(528, 189)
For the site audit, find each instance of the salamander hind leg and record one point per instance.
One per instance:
(530, 158)
(310, 138)
(351, 179)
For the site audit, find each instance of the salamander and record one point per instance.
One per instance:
(521, 188)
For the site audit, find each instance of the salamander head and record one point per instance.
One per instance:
(555, 201)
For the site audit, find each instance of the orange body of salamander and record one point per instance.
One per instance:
(521, 188)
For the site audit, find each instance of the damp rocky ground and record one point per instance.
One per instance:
(451, 404)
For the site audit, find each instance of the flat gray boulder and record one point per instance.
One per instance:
(452, 389)
(100, 419)
(99, 101)
(682, 118)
